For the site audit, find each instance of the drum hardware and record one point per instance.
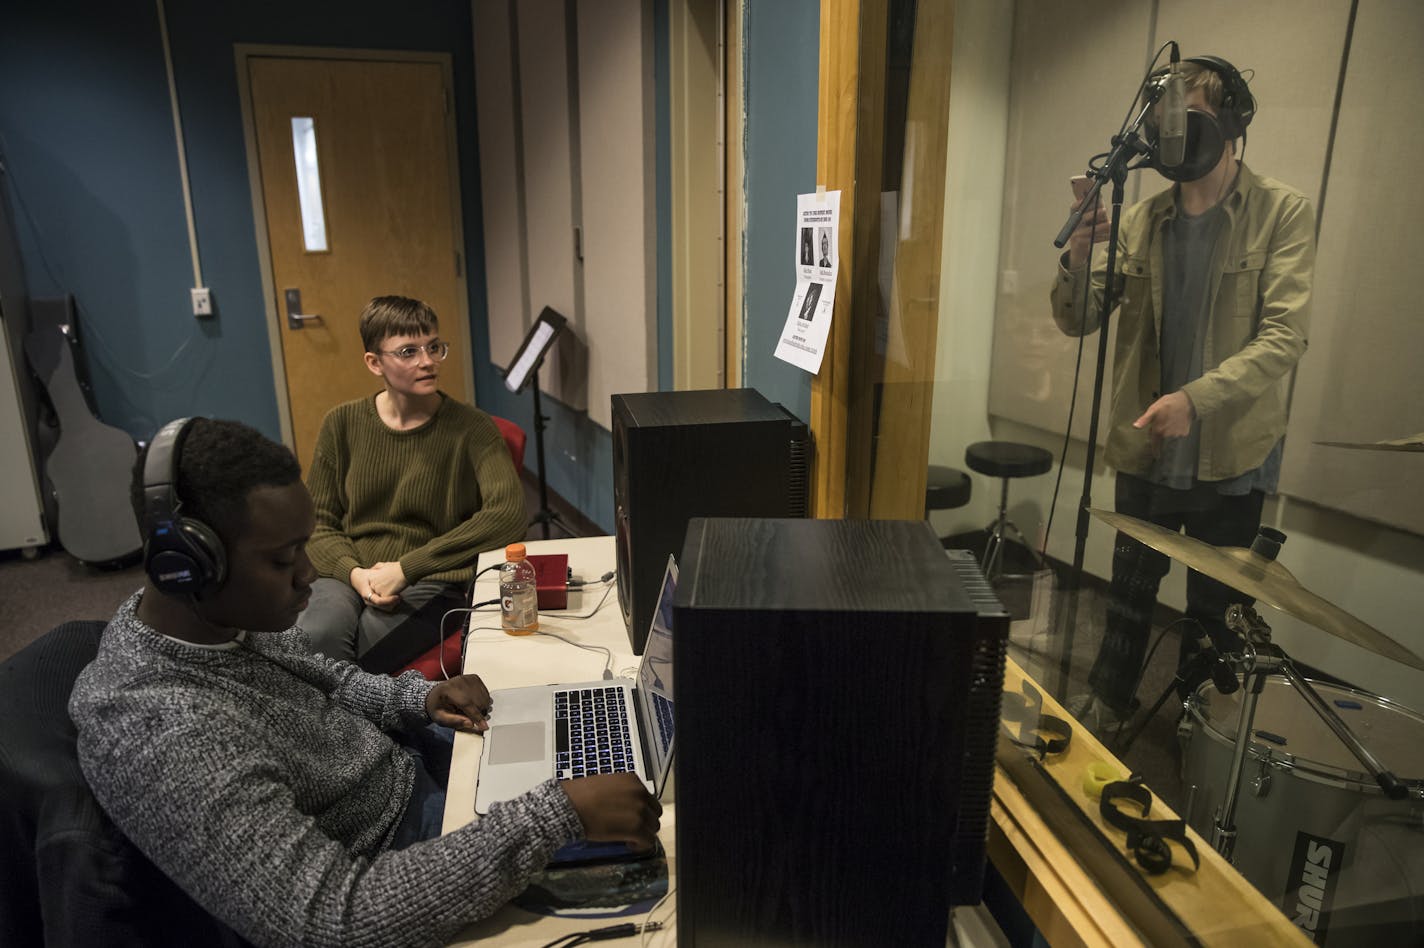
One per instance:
(1256, 573)
(1320, 800)
(1261, 783)
(1311, 804)
(1259, 660)
(1186, 676)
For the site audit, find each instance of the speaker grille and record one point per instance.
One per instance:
(981, 726)
(799, 471)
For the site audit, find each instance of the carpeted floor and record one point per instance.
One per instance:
(37, 595)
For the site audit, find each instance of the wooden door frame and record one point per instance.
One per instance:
(847, 480)
(243, 53)
(734, 226)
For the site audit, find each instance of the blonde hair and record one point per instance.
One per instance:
(1208, 80)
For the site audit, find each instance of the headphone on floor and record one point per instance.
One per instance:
(1238, 106)
(181, 555)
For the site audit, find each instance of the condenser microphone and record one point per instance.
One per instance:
(1172, 134)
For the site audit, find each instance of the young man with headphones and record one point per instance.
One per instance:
(1215, 281)
(294, 797)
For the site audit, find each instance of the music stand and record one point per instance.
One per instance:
(523, 369)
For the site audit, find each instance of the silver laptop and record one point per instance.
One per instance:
(594, 727)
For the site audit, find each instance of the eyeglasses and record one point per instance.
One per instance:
(438, 351)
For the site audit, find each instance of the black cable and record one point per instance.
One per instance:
(622, 930)
(586, 615)
(440, 632)
(1147, 662)
(580, 583)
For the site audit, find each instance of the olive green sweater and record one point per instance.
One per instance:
(433, 497)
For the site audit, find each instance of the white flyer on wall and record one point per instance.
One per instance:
(817, 261)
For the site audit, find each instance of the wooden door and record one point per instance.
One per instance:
(390, 210)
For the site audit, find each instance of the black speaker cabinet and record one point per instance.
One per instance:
(678, 455)
(838, 687)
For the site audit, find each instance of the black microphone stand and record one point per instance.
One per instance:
(1126, 146)
(546, 515)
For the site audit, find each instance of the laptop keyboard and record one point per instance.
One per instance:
(591, 733)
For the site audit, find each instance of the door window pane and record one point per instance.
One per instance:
(308, 183)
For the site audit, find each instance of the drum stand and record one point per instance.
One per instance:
(1259, 660)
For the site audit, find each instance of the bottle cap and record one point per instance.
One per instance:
(514, 552)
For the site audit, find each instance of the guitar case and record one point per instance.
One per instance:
(90, 466)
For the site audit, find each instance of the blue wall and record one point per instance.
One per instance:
(87, 138)
(782, 49)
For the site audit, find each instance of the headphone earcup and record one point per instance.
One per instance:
(1238, 105)
(185, 558)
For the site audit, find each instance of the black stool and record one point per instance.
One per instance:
(1005, 459)
(946, 488)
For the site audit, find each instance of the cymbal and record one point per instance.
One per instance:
(1412, 443)
(1263, 579)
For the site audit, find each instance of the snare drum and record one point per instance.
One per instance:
(1314, 832)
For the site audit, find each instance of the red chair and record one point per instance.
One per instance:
(428, 664)
(514, 437)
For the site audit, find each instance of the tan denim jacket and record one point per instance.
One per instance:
(1263, 267)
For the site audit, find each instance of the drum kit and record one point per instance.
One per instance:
(1334, 776)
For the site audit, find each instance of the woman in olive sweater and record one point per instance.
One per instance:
(410, 486)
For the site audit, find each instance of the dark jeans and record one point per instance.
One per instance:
(430, 748)
(1213, 518)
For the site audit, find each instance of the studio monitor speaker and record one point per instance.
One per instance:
(838, 685)
(678, 455)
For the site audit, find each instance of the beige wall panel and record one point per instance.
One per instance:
(550, 164)
(1295, 50)
(1362, 378)
(505, 264)
(1075, 67)
(616, 160)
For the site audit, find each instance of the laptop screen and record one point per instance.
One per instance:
(655, 681)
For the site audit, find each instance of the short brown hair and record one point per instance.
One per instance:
(1207, 80)
(387, 316)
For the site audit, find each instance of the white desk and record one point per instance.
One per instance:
(508, 661)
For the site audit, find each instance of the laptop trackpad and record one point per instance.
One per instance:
(517, 743)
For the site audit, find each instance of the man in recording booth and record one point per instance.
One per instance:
(1215, 287)
(294, 797)
(410, 486)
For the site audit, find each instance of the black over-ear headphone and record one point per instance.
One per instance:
(180, 554)
(1238, 106)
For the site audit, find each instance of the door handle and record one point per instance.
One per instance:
(296, 319)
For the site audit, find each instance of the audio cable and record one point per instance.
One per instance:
(622, 930)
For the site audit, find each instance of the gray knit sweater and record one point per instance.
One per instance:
(262, 781)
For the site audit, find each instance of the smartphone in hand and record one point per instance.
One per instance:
(1081, 185)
